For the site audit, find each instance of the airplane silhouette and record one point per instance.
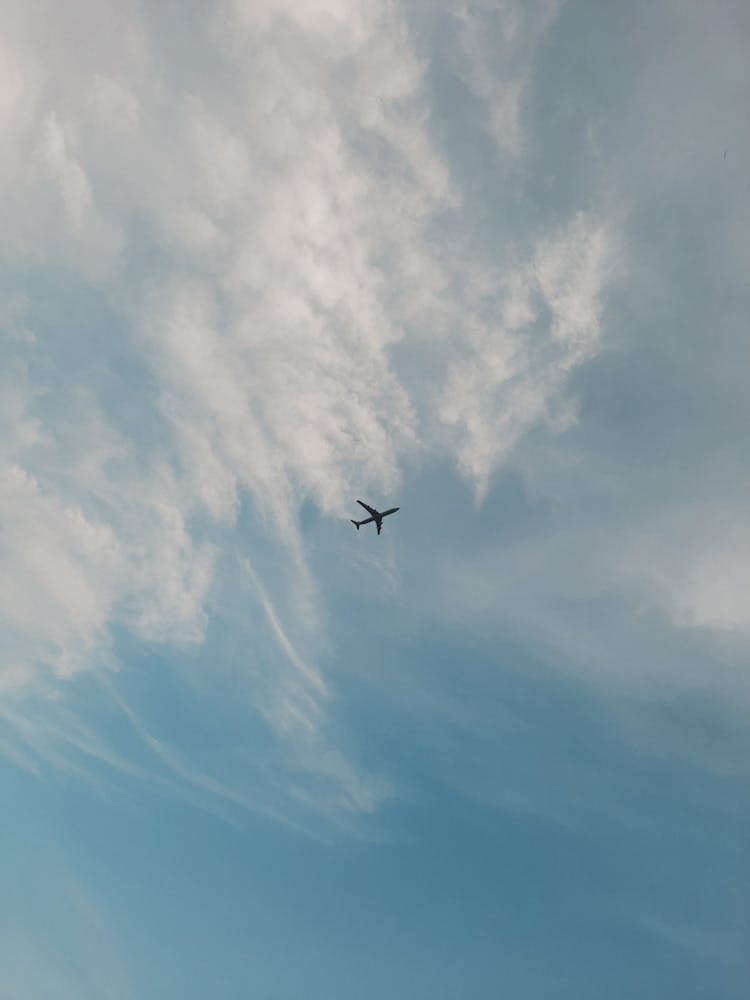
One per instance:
(375, 515)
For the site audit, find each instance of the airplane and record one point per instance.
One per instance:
(375, 515)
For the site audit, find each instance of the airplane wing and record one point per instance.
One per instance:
(367, 507)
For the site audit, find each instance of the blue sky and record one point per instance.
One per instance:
(486, 261)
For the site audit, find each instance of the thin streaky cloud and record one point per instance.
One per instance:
(310, 674)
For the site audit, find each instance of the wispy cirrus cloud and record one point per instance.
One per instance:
(287, 296)
(497, 43)
(546, 320)
(485, 261)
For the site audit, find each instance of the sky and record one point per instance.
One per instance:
(484, 260)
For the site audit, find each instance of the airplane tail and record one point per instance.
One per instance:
(356, 524)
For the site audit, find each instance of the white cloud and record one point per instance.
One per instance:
(694, 560)
(267, 235)
(548, 322)
(90, 537)
(65, 171)
(497, 41)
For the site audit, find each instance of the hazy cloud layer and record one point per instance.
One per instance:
(258, 207)
(486, 261)
(256, 262)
